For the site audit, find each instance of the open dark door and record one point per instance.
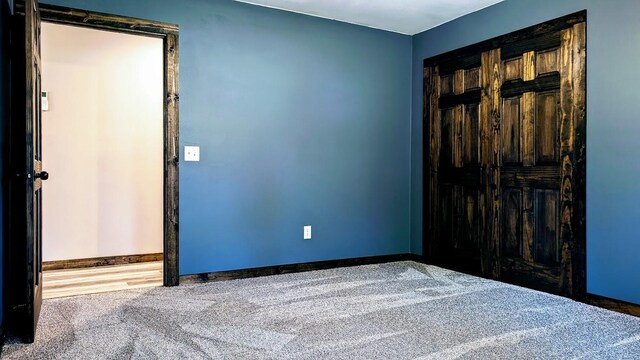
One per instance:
(25, 249)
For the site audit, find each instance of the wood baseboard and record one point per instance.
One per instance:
(613, 304)
(100, 261)
(294, 268)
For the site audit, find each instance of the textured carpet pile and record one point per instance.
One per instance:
(402, 310)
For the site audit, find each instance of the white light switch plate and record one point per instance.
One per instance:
(307, 232)
(192, 153)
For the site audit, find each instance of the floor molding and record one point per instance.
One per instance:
(613, 304)
(294, 268)
(100, 261)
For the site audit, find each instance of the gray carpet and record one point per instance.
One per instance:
(402, 310)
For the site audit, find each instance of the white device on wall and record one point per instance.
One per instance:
(45, 101)
(192, 153)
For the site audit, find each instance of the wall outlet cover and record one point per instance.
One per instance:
(307, 232)
(192, 153)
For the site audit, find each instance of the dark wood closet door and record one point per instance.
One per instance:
(506, 132)
(456, 112)
(541, 90)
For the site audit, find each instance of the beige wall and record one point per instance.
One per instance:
(102, 143)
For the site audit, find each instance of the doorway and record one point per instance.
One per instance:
(168, 34)
(23, 278)
(102, 138)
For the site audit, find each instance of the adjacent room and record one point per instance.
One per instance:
(102, 138)
(274, 179)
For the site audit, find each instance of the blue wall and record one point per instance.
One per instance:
(301, 121)
(306, 121)
(613, 126)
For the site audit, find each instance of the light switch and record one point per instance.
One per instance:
(192, 153)
(45, 101)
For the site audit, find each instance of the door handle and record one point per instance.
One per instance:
(42, 175)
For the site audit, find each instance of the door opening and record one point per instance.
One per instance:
(102, 142)
(24, 247)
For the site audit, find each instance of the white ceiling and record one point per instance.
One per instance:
(403, 16)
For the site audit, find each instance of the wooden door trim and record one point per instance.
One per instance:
(101, 261)
(469, 56)
(538, 37)
(169, 34)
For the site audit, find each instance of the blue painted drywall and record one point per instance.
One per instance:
(301, 121)
(613, 127)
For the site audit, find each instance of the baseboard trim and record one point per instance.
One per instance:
(100, 261)
(294, 268)
(613, 304)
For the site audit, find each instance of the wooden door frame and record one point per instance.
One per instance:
(576, 183)
(169, 35)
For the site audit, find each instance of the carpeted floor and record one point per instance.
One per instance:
(402, 310)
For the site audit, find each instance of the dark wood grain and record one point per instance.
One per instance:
(529, 66)
(535, 43)
(454, 63)
(579, 199)
(97, 20)
(511, 223)
(432, 119)
(547, 229)
(427, 88)
(169, 33)
(493, 100)
(458, 82)
(511, 127)
(471, 226)
(537, 37)
(487, 253)
(528, 224)
(544, 177)
(294, 268)
(468, 97)
(513, 69)
(171, 160)
(566, 128)
(612, 304)
(446, 84)
(500, 158)
(472, 79)
(471, 128)
(446, 150)
(457, 215)
(518, 87)
(547, 124)
(530, 274)
(24, 270)
(468, 175)
(457, 139)
(100, 261)
(547, 62)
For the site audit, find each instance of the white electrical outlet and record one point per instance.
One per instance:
(307, 232)
(192, 153)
